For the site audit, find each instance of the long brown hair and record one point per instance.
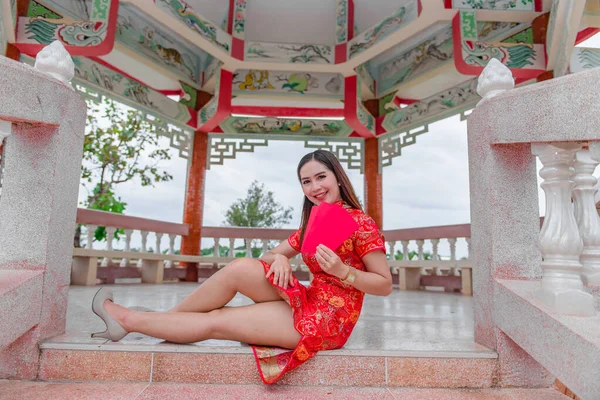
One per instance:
(330, 161)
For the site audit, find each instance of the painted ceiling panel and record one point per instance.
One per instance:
(286, 21)
(369, 12)
(214, 10)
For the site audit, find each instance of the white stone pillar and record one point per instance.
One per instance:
(125, 260)
(158, 240)
(172, 237)
(265, 246)
(560, 242)
(434, 255)
(90, 230)
(217, 248)
(405, 255)
(249, 248)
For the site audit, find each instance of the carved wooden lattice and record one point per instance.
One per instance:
(224, 147)
(390, 146)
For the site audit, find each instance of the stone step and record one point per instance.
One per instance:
(24, 390)
(166, 362)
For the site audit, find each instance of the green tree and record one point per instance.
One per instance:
(120, 145)
(258, 210)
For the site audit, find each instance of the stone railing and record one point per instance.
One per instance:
(534, 289)
(42, 125)
(108, 264)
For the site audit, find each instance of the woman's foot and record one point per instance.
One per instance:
(113, 315)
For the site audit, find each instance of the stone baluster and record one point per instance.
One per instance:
(172, 237)
(560, 241)
(110, 234)
(453, 269)
(158, 240)
(125, 260)
(405, 255)
(434, 256)
(468, 240)
(392, 245)
(249, 248)
(231, 247)
(91, 229)
(265, 246)
(217, 248)
(144, 248)
(420, 243)
(586, 213)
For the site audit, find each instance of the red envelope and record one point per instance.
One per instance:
(331, 226)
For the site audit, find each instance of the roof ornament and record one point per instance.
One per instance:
(495, 79)
(56, 61)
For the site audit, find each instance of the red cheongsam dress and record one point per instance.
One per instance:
(326, 311)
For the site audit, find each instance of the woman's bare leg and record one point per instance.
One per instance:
(267, 324)
(245, 275)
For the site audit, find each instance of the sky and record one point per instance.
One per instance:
(428, 185)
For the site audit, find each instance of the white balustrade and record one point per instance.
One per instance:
(405, 253)
(560, 241)
(90, 230)
(158, 240)
(249, 248)
(172, 237)
(434, 255)
(144, 248)
(452, 242)
(217, 248)
(265, 246)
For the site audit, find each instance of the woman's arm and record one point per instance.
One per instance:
(377, 279)
(282, 249)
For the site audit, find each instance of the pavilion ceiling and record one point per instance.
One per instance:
(278, 60)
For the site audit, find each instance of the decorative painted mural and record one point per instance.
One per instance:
(213, 66)
(128, 91)
(83, 23)
(365, 75)
(210, 109)
(516, 5)
(341, 22)
(196, 22)
(190, 95)
(438, 106)
(584, 58)
(286, 126)
(286, 82)
(154, 41)
(363, 115)
(517, 55)
(239, 20)
(289, 53)
(403, 16)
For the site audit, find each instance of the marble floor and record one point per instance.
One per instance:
(405, 321)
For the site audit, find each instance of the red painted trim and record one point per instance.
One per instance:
(237, 48)
(466, 69)
(585, 34)
(230, 17)
(218, 129)
(301, 112)
(172, 92)
(224, 105)
(419, 8)
(448, 3)
(538, 6)
(354, 134)
(350, 108)
(101, 49)
(107, 65)
(341, 53)
(350, 21)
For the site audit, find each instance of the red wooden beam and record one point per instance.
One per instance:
(585, 34)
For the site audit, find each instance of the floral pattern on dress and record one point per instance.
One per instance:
(326, 311)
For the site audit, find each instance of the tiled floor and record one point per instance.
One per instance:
(21, 390)
(405, 321)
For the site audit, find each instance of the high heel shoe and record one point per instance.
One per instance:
(114, 331)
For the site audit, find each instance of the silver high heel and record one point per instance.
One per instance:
(114, 331)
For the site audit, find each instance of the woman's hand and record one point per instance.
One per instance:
(330, 263)
(281, 271)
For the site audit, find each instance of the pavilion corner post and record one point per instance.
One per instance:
(373, 177)
(194, 203)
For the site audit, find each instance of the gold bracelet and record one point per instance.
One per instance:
(351, 277)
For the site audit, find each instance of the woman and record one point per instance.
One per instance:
(286, 315)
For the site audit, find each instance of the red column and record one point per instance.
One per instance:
(194, 196)
(194, 203)
(372, 176)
